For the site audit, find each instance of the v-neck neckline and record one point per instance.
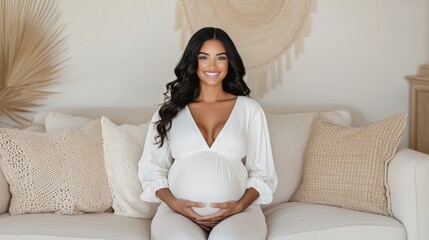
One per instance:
(220, 132)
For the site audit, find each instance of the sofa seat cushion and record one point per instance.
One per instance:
(295, 220)
(86, 226)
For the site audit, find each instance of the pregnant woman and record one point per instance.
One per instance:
(207, 156)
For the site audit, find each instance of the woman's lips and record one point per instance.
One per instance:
(211, 74)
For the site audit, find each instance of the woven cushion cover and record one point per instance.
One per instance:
(347, 166)
(61, 172)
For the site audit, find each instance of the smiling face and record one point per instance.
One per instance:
(212, 63)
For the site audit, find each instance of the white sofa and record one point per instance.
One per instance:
(408, 177)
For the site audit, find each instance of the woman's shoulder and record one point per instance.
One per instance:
(250, 103)
(156, 117)
(249, 108)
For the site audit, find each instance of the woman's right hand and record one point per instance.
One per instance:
(184, 207)
(181, 206)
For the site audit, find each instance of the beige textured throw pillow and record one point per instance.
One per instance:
(61, 172)
(123, 147)
(347, 166)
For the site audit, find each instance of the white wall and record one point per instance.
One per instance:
(357, 56)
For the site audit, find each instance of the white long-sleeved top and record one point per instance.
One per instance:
(239, 158)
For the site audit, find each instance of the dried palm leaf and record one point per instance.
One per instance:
(31, 54)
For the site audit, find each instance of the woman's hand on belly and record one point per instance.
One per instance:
(181, 206)
(228, 209)
(184, 207)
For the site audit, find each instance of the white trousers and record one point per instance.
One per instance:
(247, 225)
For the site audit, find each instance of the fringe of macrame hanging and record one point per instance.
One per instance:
(265, 77)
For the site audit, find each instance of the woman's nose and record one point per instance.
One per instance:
(212, 63)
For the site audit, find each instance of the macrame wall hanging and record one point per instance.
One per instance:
(264, 32)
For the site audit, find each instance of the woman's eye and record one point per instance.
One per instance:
(222, 58)
(202, 58)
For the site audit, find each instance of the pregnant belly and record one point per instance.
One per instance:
(207, 177)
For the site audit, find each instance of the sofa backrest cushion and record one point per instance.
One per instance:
(289, 135)
(55, 121)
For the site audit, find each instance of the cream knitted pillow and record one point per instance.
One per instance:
(61, 172)
(123, 147)
(347, 166)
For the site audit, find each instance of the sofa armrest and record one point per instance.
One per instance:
(408, 177)
(4, 194)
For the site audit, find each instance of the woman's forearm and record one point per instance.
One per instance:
(166, 196)
(249, 196)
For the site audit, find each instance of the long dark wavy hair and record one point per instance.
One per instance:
(186, 88)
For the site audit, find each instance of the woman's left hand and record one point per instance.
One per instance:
(227, 209)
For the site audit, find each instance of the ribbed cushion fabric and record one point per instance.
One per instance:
(347, 166)
(61, 172)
